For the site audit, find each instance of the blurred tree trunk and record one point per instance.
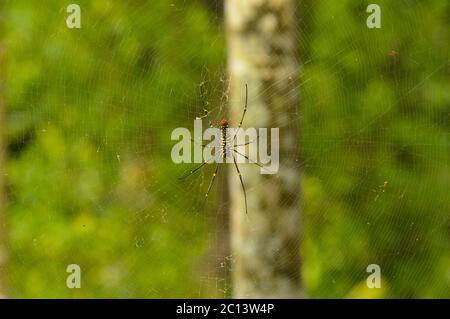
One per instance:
(262, 52)
(3, 248)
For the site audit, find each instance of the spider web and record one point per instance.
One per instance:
(91, 181)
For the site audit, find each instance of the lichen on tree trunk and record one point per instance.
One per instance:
(262, 53)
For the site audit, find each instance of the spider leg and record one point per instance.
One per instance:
(243, 114)
(242, 182)
(252, 161)
(202, 95)
(205, 106)
(189, 173)
(249, 142)
(203, 145)
(210, 184)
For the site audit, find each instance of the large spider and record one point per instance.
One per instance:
(227, 148)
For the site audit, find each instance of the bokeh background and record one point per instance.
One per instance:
(89, 113)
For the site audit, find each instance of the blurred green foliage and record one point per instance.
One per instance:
(89, 116)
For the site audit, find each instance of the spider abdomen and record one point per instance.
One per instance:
(224, 142)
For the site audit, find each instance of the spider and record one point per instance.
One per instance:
(227, 149)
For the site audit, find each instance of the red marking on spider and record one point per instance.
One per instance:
(223, 123)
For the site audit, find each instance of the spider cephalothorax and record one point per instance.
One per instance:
(223, 123)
